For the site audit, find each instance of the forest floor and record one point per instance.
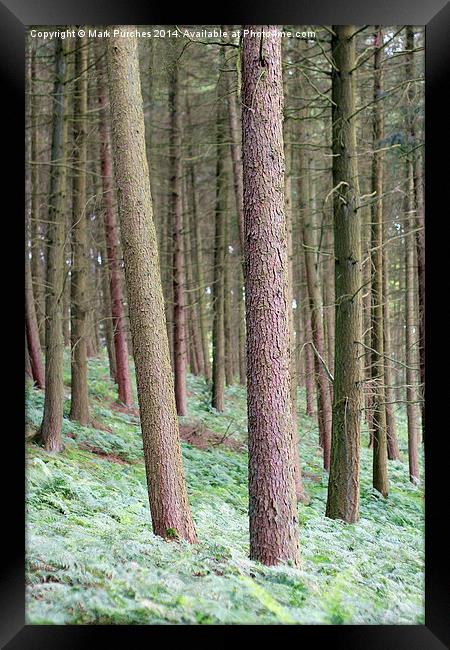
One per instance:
(92, 557)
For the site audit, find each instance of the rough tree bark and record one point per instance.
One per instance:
(196, 244)
(299, 490)
(218, 334)
(179, 280)
(391, 424)
(79, 408)
(33, 357)
(169, 506)
(273, 518)
(410, 342)
(32, 328)
(420, 217)
(343, 485)
(316, 307)
(50, 432)
(112, 248)
(380, 473)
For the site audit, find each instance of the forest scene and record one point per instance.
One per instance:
(224, 324)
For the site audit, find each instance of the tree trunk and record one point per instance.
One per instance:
(380, 473)
(54, 342)
(32, 329)
(227, 317)
(169, 506)
(218, 336)
(343, 485)
(272, 507)
(179, 281)
(79, 408)
(37, 269)
(196, 245)
(112, 248)
(299, 491)
(420, 218)
(410, 357)
(391, 425)
(315, 299)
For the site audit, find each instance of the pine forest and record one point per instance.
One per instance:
(224, 324)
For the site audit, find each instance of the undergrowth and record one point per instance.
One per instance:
(92, 557)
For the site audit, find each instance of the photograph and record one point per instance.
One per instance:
(225, 325)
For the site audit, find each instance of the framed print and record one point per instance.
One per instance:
(233, 415)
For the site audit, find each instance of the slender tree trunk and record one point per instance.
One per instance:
(196, 244)
(413, 218)
(227, 318)
(197, 366)
(420, 218)
(380, 473)
(32, 329)
(218, 337)
(343, 485)
(79, 409)
(37, 270)
(28, 369)
(179, 281)
(109, 334)
(367, 324)
(307, 350)
(391, 425)
(420, 248)
(112, 248)
(410, 357)
(169, 506)
(329, 299)
(315, 298)
(273, 516)
(236, 159)
(54, 342)
(235, 142)
(299, 491)
(33, 358)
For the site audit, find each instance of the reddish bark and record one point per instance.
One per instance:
(273, 516)
(179, 281)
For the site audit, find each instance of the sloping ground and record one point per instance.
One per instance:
(92, 557)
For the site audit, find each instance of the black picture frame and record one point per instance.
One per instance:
(15, 16)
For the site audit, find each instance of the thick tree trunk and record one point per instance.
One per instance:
(112, 248)
(273, 516)
(169, 506)
(179, 280)
(380, 473)
(343, 485)
(54, 342)
(79, 408)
